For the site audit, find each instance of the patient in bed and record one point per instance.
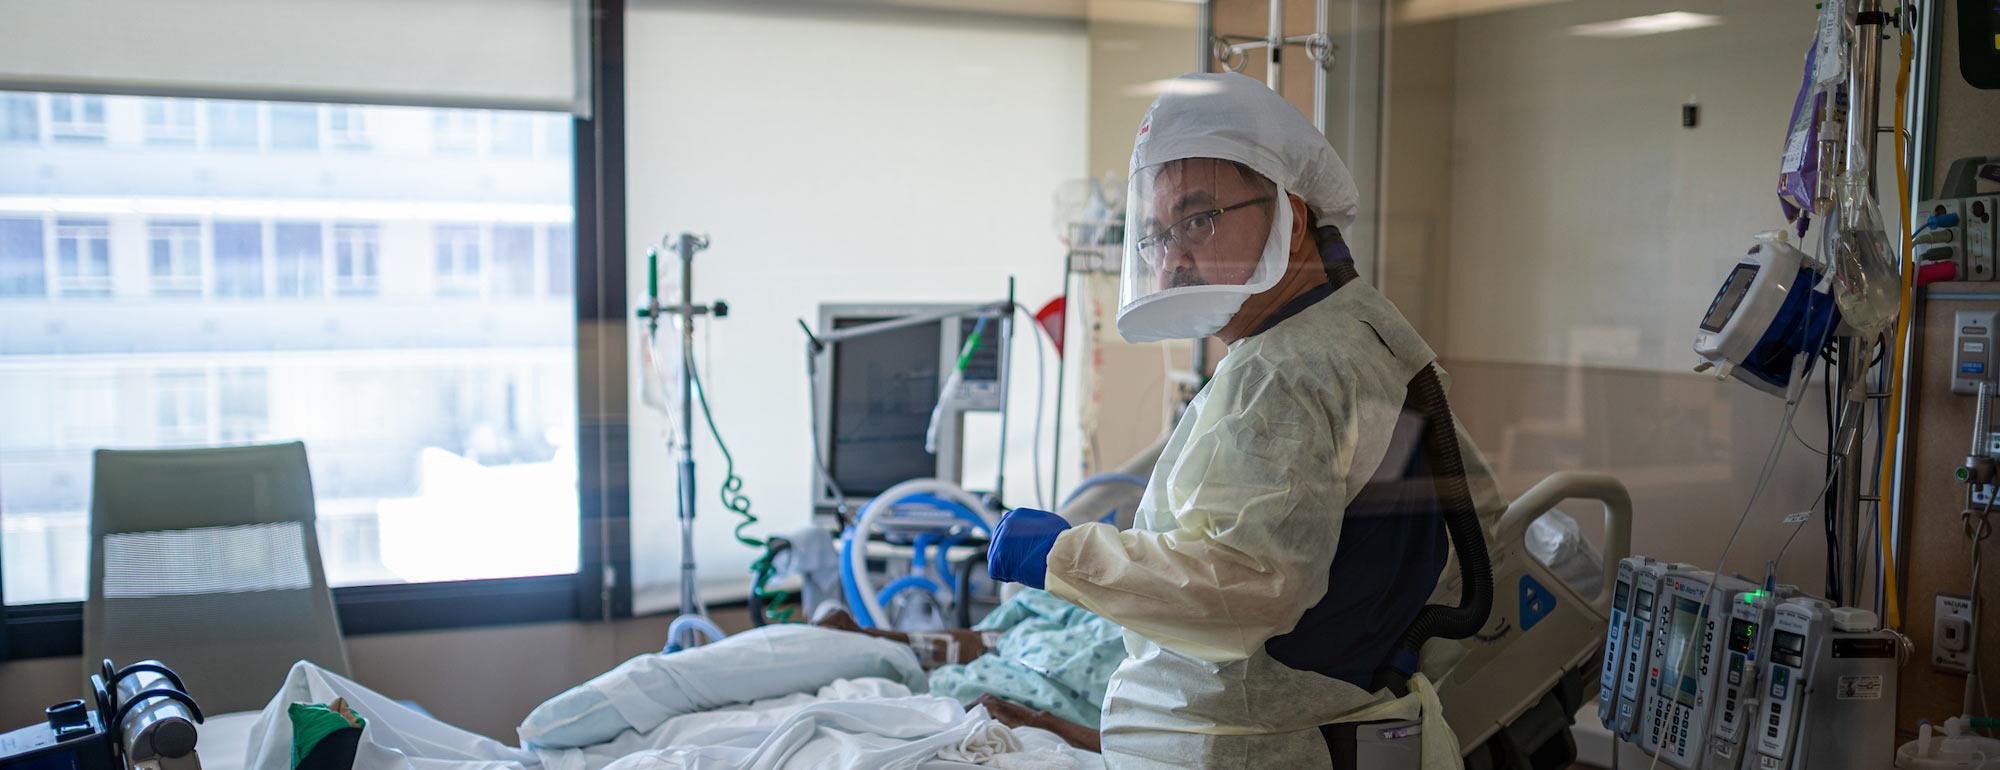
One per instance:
(1035, 661)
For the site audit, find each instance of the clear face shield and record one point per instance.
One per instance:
(1202, 235)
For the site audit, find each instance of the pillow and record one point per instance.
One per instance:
(766, 662)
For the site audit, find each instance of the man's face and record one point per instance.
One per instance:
(1232, 250)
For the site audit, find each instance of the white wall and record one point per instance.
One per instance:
(1568, 232)
(1571, 169)
(839, 157)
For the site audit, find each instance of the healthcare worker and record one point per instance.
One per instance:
(1258, 601)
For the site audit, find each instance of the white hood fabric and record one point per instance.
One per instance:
(1227, 117)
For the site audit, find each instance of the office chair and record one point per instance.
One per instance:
(207, 559)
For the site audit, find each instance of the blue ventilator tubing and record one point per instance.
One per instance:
(852, 590)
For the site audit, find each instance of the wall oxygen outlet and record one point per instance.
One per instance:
(1953, 637)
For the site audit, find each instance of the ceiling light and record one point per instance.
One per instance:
(1674, 21)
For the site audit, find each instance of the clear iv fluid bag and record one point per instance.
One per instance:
(1863, 260)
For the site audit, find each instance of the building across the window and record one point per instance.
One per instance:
(170, 121)
(76, 118)
(175, 251)
(83, 257)
(187, 272)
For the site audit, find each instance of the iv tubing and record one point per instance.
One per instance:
(1894, 356)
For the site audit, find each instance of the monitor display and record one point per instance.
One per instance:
(984, 365)
(1621, 597)
(1730, 297)
(1742, 635)
(884, 386)
(1788, 648)
(1681, 634)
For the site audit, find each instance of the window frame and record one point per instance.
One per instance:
(78, 128)
(179, 123)
(462, 248)
(42, 261)
(187, 273)
(35, 109)
(359, 244)
(601, 588)
(89, 234)
(347, 128)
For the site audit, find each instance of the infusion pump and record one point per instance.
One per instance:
(1716, 673)
(1773, 306)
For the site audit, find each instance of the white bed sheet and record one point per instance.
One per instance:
(224, 739)
(859, 723)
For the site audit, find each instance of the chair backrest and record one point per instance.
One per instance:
(207, 560)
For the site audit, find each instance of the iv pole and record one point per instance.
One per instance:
(1233, 53)
(1864, 85)
(685, 246)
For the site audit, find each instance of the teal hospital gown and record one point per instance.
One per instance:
(1052, 655)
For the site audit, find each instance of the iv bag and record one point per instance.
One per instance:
(660, 360)
(1864, 264)
(1090, 213)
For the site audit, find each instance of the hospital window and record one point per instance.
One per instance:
(455, 132)
(233, 125)
(244, 400)
(170, 121)
(284, 217)
(458, 261)
(297, 264)
(83, 257)
(76, 118)
(511, 134)
(239, 259)
(513, 260)
(20, 120)
(174, 249)
(294, 127)
(23, 266)
(180, 407)
(562, 260)
(355, 248)
(347, 128)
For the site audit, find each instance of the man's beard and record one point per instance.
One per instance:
(1184, 276)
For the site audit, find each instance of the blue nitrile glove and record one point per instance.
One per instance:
(1021, 543)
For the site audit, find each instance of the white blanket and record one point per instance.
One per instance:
(761, 663)
(858, 723)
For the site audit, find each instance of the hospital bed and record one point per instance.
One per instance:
(774, 697)
(1508, 691)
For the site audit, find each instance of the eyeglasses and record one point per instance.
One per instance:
(1192, 230)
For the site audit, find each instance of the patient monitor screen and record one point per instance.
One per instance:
(1730, 296)
(1687, 614)
(884, 386)
(984, 366)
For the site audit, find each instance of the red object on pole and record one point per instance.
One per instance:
(1050, 318)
